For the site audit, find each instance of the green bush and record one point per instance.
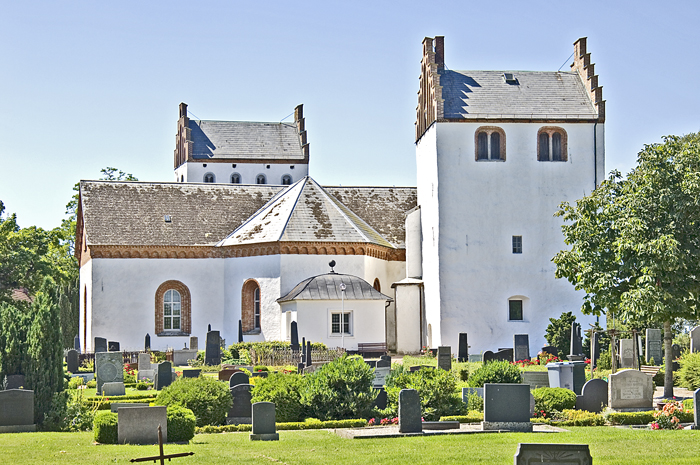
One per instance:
(688, 404)
(340, 390)
(91, 384)
(495, 372)
(436, 388)
(240, 350)
(689, 374)
(464, 373)
(475, 402)
(310, 423)
(630, 418)
(181, 424)
(558, 333)
(604, 360)
(208, 398)
(285, 391)
(141, 386)
(105, 427)
(75, 382)
(471, 417)
(548, 400)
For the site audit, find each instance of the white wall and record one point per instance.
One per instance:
(86, 341)
(195, 171)
(408, 318)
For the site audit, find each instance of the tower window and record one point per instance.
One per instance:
(517, 244)
(261, 179)
(209, 177)
(490, 143)
(286, 180)
(235, 178)
(551, 144)
(515, 310)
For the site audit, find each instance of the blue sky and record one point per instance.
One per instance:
(87, 85)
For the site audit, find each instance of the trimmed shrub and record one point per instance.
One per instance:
(75, 382)
(285, 391)
(105, 427)
(689, 374)
(495, 372)
(181, 424)
(475, 402)
(310, 423)
(471, 417)
(141, 386)
(548, 400)
(208, 398)
(436, 388)
(340, 390)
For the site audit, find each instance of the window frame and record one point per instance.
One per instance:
(240, 178)
(479, 147)
(169, 317)
(549, 132)
(185, 309)
(347, 323)
(285, 177)
(517, 244)
(510, 309)
(251, 307)
(213, 177)
(259, 177)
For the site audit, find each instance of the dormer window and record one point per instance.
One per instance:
(490, 142)
(551, 144)
(510, 78)
(286, 180)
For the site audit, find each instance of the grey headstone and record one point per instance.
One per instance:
(630, 390)
(463, 351)
(380, 400)
(76, 343)
(194, 343)
(294, 337)
(72, 361)
(410, 419)
(86, 376)
(212, 355)
(386, 358)
(16, 410)
(260, 374)
(696, 408)
(147, 342)
(553, 454)
(182, 357)
(654, 346)
(144, 362)
(307, 358)
(506, 402)
(695, 339)
(380, 374)
(444, 357)
(383, 364)
(113, 389)
(536, 379)
(594, 396)
(626, 353)
(164, 375)
(476, 358)
(576, 345)
(100, 344)
(139, 425)
(109, 368)
(115, 406)
(561, 375)
(501, 355)
(240, 411)
(240, 330)
(595, 349)
(521, 344)
(191, 373)
(532, 405)
(579, 373)
(113, 346)
(238, 378)
(371, 363)
(144, 375)
(471, 390)
(16, 382)
(264, 422)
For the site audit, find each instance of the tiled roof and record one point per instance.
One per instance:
(245, 140)
(327, 287)
(305, 212)
(535, 94)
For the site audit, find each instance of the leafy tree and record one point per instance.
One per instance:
(558, 333)
(14, 324)
(635, 241)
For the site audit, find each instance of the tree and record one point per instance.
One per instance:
(559, 333)
(635, 241)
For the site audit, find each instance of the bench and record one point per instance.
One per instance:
(649, 369)
(369, 349)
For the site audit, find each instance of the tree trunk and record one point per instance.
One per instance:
(668, 357)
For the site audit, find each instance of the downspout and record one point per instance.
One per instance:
(595, 155)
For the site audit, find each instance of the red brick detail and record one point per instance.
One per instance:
(248, 304)
(550, 130)
(185, 306)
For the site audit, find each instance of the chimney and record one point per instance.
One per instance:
(183, 110)
(301, 127)
(440, 52)
(586, 70)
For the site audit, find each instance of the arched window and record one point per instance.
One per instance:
(251, 311)
(551, 144)
(490, 144)
(182, 178)
(209, 177)
(235, 178)
(173, 314)
(261, 179)
(286, 180)
(377, 286)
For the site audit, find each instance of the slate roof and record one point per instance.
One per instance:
(537, 94)
(305, 212)
(327, 287)
(245, 140)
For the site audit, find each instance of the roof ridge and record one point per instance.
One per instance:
(335, 202)
(296, 201)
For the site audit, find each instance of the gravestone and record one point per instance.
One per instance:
(164, 375)
(240, 412)
(260, 374)
(382, 363)
(76, 343)
(227, 371)
(15, 382)
(444, 357)
(191, 373)
(501, 355)
(463, 350)
(264, 422)
(144, 362)
(100, 344)
(551, 350)
(17, 411)
(579, 375)
(212, 355)
(381, 371)
(476, 358)
(308, 354)
(295, 337)
(238, 378)
(630, 391)
(386, 358)
(113, 389)
(521, 344)
(676, 351)
(695, 339)
(303, 350)
(536, 379)
(410, 418)
(113, 346)
(146, 375)
(595, 349)
(576, 345)
(182, 357)
(380, 400)
(372, 363)
(139, 425)
(147, 342)
(115, 406)
(72, 361)
(466, 391)
(696, 409)
(109, 368)
(194, 343)
(240, 330)
(553, 454)
(626, 353)
(506, 407)
(594, 396)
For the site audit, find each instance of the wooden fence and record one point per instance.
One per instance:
(280, 357)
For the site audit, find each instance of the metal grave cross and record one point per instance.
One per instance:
(161, 456)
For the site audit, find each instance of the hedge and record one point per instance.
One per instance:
(181, 424)
(641, 418)
(310, 423)
(105, 427)
(471, 417)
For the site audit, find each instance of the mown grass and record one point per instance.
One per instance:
(608, 446)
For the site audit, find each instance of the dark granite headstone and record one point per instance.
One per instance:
(576, 345)
(410, 419)
(594, 396)
(386, 358)
(696, 409)
(654, 345)
(579, 376)
(444, 357)
(100, 344)
(191, 373)
(209, 328)
(15, 382)
(371, 363)
(113, 346)
(551, 350)
(309, 362)
(501, 355)
(212, 355)
(380, 400)
(147, 342)
(164, 375)
(506, 403)
(76, 343)
(240, 411)
(72, 360)
(300, 367)
(295, 337)
(240, 330)
(521, 343)
(260, 374)
(595, 349)
(17, 410)
(383, 364)
(553, 454)
(263, 419)
(238, 378)
(463, 354)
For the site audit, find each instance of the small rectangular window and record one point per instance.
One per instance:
(517, 244)
(515, 310)
(336, 324)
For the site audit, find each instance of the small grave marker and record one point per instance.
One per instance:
(444, 357)
(72, 361)
(410, 420)
(553, 454)
(521, 343)
(463, 352)
(264, 422)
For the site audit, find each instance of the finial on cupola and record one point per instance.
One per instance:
(332, 264)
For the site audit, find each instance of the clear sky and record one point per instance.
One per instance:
(85, 85)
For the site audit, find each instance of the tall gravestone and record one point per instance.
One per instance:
(113, 346)
(695, 339)
(109, 368)
(630, 391)
(308, 360)
(147, 342)
(76, 343)
(444, 357)
(507, 407)
(17, 411)
(72, 361)
(626, 353)
(576, 346)
(595, 349)
(410, 419)
(241, 411)
(100, 345)
(164, 375)
(212, 355)
(521, 344)
(463, 353)
(194, 343)
(295, 337)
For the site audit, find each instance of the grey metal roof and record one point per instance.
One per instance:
(536, 94)
(245, 140)
(327, 287)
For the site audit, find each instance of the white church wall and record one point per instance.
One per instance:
(86, 339)
(298, 267)
(408, 319)
(123, 298)
(195, 171)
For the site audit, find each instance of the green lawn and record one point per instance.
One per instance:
(608, 446)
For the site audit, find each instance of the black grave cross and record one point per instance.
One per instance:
(161, 456)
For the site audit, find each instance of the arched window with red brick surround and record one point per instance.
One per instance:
(173, 312)
(250, 306)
